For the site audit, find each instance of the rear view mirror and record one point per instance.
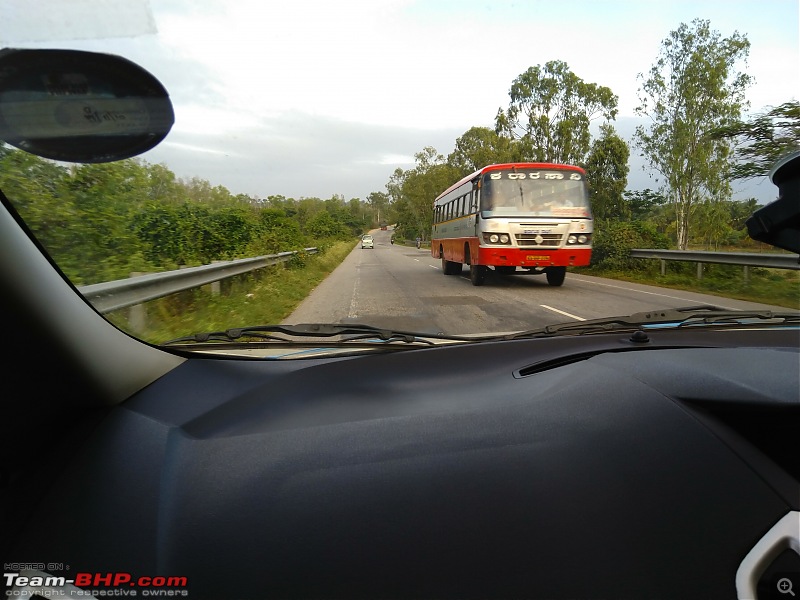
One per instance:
(78, 106)
(778, 223)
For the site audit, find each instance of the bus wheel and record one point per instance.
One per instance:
(556, 275)
(451, 268)
(477, 274)
(448, 266)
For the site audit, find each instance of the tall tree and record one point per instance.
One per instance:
(763, 139)
(693, 89)
(550, 112)
(413, 191)
(641, 203)
(379, 203)
(607, 174)
(478, 147)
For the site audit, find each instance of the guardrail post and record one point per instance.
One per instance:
(663, 267)
(214, 286)
(137, 314)
(699, 270)
(746, 274)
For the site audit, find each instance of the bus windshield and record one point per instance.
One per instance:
(539, 193)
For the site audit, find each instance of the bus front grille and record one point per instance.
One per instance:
(539, 240)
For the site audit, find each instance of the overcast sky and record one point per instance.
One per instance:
(315, 98)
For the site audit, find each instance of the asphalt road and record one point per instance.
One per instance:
(400, 287)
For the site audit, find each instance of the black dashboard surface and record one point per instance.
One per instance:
(437, 474)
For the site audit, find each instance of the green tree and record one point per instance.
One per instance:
(478, 147)
(323, 225)
(641, 203)
(607, 174)
(379, 204)
(712, 227)
(550, 112)
(163, 185)
(413, 191)
(763, 139)
(104, 198)
(692, 90)
(35, 186)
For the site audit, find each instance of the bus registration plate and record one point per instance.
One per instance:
(537, 257)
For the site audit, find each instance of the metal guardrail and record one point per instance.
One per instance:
(745, 259)
(113, 295)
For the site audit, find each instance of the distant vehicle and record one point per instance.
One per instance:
(384, 227)
(367, 242)
(534, 216)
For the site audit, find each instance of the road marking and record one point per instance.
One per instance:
(561, 312)
(433, 266)
(353, 312)
(416, 259)
(620, 287)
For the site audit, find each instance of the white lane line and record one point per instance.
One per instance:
(353, 312)
(561, 312)
(433, 266)
(416, 259)
(627, 289)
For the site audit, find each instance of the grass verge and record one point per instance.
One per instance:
(777, 287)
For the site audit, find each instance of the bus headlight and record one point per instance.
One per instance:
(496, 238)
(578, 238)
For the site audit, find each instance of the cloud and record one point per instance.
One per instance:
(299, 155)
(316, 98)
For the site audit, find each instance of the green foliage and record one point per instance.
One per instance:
(642, 204)
(478, 147)
(607, 174)
(379, 203)
(550, 112)
(763, 140)
(691, 91)
(101, 222)
(614, 240)
(413, 192)
(323, 225)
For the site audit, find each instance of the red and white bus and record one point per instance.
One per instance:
(524, 218)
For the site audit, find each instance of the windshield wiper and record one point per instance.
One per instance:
(346, 334)
(338, 335)
(689, 316)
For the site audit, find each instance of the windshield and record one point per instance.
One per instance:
(541, 193)
(278, 163)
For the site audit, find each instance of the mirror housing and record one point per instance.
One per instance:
(778, 223)
(77, 106)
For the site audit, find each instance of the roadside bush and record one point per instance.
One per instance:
(614, 240)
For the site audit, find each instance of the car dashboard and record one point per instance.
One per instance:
(575, 467)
